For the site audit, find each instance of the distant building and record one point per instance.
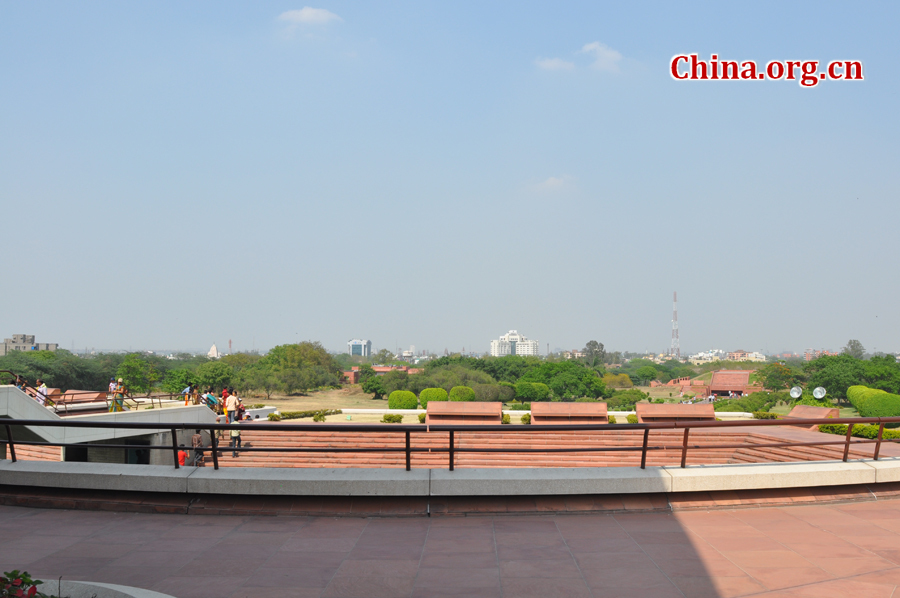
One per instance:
(24, 342)
(513, 343)
(741, 355)
(213, 353)
(360, 347)
(707, 356)
(815, 354)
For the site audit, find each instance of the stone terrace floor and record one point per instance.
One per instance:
(814, 551)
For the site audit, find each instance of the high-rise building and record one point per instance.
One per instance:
(25, 342)
(360, 347)
(513, 343)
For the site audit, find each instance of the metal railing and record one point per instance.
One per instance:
(455, 431)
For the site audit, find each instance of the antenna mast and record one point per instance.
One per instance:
(675, 349)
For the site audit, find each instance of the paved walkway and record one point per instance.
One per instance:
(814, 551)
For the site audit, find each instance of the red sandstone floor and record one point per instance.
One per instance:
(816, 551)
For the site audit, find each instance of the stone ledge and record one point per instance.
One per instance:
(303, 481)
(538, 481)
(754, 476)
(95, 476)
(441, 482)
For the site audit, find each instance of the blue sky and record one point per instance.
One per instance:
(178, 174)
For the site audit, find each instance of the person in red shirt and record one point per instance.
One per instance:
(182, 455)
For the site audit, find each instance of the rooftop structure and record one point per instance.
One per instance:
(24, 342)
(513, 343)
(741, 355)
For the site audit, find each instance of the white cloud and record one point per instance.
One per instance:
(554, 183)
(605, 58)
(554, 64)
(309, 16)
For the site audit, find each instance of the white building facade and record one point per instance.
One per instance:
(359, 347)
(513, 343)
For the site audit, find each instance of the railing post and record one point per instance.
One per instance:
(644, 449)
(451, 450)
(847, 442)
(10, 444)
(215, 449)
(407, 451)
(175, 446)
(878, 442)
(684, 446)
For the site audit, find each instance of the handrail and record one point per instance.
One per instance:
(454, 431)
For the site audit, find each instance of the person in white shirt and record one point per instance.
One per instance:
(41, 396)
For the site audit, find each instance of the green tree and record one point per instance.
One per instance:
(214, 374)
(645, 373)
(854, 348)
(777, 376)
(261, 377)
(177, 380)
(137, 374)
(383, 357)
(394, 380)
(594, 353)
(374, 386)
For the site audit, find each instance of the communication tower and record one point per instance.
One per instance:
(675, 349)
(229, 346)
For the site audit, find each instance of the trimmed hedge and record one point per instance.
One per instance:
(505, 419)
(764, 415)
(632, 418)
(526, 419)
(519, 407)
(303, 414)
(421, 418)
(402, 399)
(870, 432)
(392, 418)
(462, 393)
(612, 419)
(432, 394)
(872, 402)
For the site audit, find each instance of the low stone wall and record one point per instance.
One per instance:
(442, 482)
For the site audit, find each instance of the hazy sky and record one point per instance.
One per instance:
(175, 174)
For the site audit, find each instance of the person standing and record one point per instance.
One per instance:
(182, 455)
(231, 405)
(235, 440)
(41, 396)
(118, 401)
(197, 444)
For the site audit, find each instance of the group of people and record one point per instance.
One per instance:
(228, 404)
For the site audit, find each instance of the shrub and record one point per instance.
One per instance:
(764, 415)
(520, 407)
(757, 401)
(632, 418)
(319, 416)
(526, 418)
(304, 414)
(812, 402)
(871, 402)
(505, 419)
(486, 392)
(422, 418)
(402, 399)
(462, 393)
(870, 432)
(256, 406)
(587, 400)
(392, 418)
(612, 419)
(625, 399)
(432, 394)
(274, 417)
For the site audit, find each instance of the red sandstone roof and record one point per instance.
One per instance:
(730, 379)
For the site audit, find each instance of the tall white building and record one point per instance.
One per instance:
(359, 347)
(513, 343)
